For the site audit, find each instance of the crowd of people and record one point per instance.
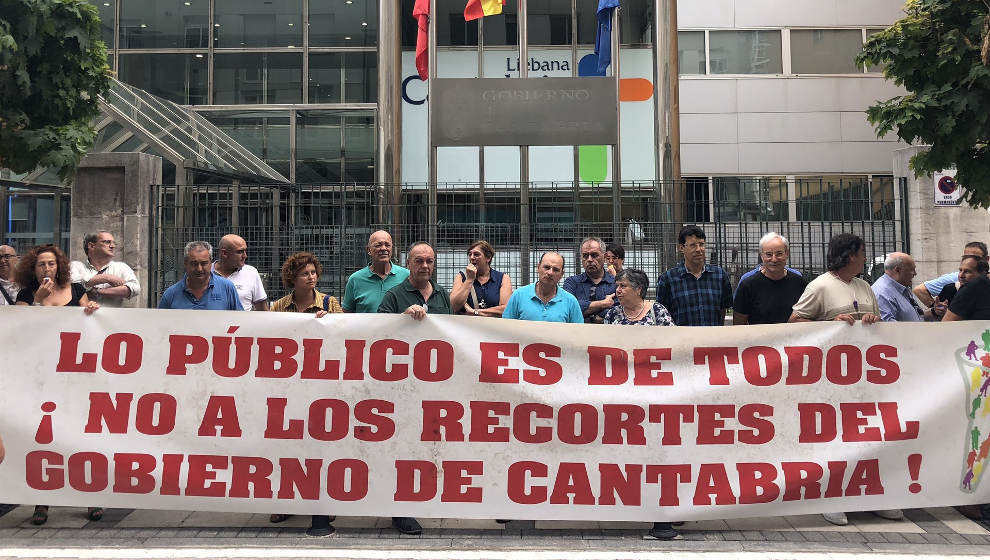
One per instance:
(693, 293)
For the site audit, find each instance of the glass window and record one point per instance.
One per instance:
(356, 71)
(691, 52)
(319, 143)
(333, 23)
(359, 149)
(503, 30)
(587, 21)
(833, 198)
(257, 78)
(636, 22)
(549, 22)
(263, 133)
(452, 30)
(825, 51)
(181, 78)
(745, 52)
(870, 33)
(257, 23)
(107, 14)
(408, 24)
(745, 199)
(696, 207)
(169, 24)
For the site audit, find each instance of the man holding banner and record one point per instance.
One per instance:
(839, 295)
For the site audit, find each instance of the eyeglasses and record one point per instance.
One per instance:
(8, 257)
(108, 242)
(778, 254)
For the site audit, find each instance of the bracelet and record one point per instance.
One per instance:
(36, 303)
(476, 313)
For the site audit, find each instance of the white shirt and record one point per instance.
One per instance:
(248, 283)
(84, 271)
(12, 289)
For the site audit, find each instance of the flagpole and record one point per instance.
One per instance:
(617, 148)
(432, 186)
(666, 97)
(524, 256)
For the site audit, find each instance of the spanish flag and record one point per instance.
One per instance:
(421, 11)
(476, 9)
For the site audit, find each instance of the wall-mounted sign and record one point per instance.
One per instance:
(947, 191)
(524, 112)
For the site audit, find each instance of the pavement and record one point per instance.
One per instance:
(126, 533)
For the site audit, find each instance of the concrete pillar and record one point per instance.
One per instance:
(937, 234)
(112, 193)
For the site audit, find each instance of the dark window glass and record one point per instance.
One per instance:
(503, 29)
(636, 22)
(452, 30)
(164, 24)
(106, 9)
(825, 51)
(257, 23)
(265, 134)
(743, 199)
(696, 199)
(871, 33)
(181, 78)
(408, 24)
(359, 149)
(587, 21)
(257, 78)
(549, 22)
(319, 142)
(357, 72)
(333, 23)
(833, 198)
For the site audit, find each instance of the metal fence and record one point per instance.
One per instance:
(523, 221)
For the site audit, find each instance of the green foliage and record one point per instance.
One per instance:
(934, 53)
(53, 67)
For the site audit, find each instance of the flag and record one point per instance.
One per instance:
(603, 38)
(421, 11)
(476, 9)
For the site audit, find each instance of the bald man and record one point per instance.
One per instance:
(894, 295)
(543, 300)
(231, 264)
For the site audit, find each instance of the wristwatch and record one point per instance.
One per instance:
(476, 313)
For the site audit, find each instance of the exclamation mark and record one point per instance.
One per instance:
(914, 467)
(44, 433)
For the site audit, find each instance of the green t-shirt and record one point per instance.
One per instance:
(365, 289)
(399, 298)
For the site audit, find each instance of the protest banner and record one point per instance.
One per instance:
(481, 418)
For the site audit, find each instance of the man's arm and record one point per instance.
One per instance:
(572, 287)
(389, 304)
(260, 305)
(922, 292)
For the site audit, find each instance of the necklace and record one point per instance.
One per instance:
(634, 316)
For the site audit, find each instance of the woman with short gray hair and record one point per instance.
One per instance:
(632, 308)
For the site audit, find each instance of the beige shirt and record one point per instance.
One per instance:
(827, 297)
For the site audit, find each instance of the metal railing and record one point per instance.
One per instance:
(334, 222)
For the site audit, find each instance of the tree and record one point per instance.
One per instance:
(53, 68)
(938, 53)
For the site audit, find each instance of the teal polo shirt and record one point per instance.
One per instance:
(365, 289)
(526, 305)
(399, 298)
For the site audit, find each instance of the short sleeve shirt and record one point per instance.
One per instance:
(250, 288)
(399, 298)
(695, 302)
(935, 286)
(657, 316)
(220, 295)
(765, 301)
(364, 290)
(526, 305)
(972, 301)
(84, 271)
(827, 297)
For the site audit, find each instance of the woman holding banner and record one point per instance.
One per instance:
(631, 285)
(479, 289)
(300, 273)
(44, 274)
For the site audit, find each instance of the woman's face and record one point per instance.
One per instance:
(45, 267)
(626, 292)
(967, 271)
(306, 278)
(477, 257)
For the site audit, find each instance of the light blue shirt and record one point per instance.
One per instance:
(935, 286)
(895, 300)
(220, 295)
(526, 305)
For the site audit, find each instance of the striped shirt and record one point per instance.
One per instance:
(695, 302)
(321, 302)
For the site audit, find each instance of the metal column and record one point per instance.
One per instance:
(667, 106)
(389, 118)
(432, 186)
(524, 248)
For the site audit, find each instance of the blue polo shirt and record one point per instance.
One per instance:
(586, 291)
(365, 289)
(526, 305)
(220, 295)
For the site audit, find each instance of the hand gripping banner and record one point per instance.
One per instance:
(479, 418)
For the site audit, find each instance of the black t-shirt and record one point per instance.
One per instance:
(78, 291)
(972, 301)
(768, 301)
(948, 293)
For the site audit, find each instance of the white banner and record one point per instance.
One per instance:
(484, 418)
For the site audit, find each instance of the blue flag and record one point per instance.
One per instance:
(603, 38)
